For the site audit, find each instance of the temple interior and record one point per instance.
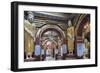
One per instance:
(56, 36)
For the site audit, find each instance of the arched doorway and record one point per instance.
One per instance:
(50, 36)
(83, 36)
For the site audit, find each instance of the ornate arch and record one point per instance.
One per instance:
(81, 22)
(45, 27)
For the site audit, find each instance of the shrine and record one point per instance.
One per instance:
(56, 36)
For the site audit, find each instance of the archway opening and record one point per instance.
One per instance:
(50, 37)
(83, 37)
